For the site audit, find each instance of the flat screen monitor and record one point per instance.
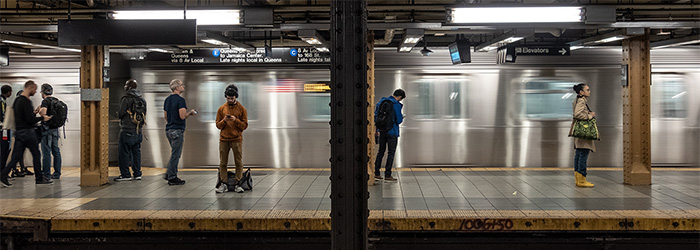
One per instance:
(459, 52)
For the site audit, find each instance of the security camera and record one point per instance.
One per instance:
(425, 51)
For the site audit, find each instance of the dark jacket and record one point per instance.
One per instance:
(398, 116)
(127, 101)
(24, 113)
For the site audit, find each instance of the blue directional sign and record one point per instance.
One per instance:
(293, 52)
(216, 53)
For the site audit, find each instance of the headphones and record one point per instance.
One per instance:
(231, 90)
(46, 89)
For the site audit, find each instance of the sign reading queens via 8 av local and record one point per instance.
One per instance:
(532, 50)
(234, 56)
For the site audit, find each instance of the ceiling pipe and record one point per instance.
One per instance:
(388, 37)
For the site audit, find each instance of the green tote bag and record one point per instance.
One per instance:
(586, 129)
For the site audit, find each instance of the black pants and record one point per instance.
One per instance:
(25, 138)
(384, 139)
(4, 151)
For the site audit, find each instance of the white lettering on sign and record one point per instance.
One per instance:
(535, 51)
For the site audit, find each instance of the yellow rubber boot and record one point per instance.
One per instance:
(578, 178)
(582, 181)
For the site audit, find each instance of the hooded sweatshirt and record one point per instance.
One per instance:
(398, 118)
(127, 101)
(232, 130)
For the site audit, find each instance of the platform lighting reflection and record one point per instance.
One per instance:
(214, 42)
(203, 17)
(517, 15)
(39, 45)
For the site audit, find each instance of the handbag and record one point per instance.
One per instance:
(9, 122)
(585, 129)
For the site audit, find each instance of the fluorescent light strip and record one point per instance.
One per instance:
(411, 40)
(676, 44)
(40, 45)
(203, 17)
(214, 42)
(405, 49)
(517, 15)
(310, 40)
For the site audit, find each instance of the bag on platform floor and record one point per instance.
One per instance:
(246, 181)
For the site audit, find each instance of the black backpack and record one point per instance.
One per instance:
(58, 112)
(246, 181)
(137, 112)
(385, 116)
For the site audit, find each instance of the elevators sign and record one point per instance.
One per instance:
(562, 50)
(235, 56)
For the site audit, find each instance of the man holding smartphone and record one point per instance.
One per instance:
(175, 112)
(231, 119)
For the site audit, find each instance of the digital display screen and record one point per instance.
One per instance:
(454, 53)
(4, 55)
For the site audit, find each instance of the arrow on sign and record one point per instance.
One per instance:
(562, 51)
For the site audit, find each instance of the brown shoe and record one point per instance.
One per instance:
(378, 177)
(391, 179)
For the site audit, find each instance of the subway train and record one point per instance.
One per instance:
(474, 114)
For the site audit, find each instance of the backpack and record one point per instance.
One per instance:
(137, 112)
(246, 181)
(385, 116)
(58, 112)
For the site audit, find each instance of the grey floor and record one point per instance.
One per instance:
(416, 189)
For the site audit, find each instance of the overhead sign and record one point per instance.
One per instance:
(525, 50)
(127, 32)
(234, 56)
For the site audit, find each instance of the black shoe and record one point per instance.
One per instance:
(176, 181)
(26, 171)
(17, 173)
(378, 177)
(390, 178)
(5, 183)
(44, 181)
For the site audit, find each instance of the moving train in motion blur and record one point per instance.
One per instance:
(475, 114)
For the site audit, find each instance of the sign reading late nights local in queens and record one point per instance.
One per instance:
(235, 56)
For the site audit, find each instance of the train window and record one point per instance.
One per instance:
(544, 99)
(210, 99)
(314, 106)
(670, 96)
(424, 100)
(456, 100)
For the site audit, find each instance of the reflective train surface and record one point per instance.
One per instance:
(476, 114)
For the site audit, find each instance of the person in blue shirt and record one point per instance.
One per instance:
(390, 137)
(175, 113)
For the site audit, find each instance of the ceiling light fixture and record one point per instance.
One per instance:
(691, 39)
(608, 37)
(203, 17)
(506, 38)
(410, 38)
(220, 40)
(315, 39)
(517, 15)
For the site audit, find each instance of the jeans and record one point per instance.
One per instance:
(24, 139)
(49, 146)
(224, 148)
(176, 137)
(384, 139)
(130, 153)
(580, 160)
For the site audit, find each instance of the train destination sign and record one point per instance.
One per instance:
(562, 50)
(234, 56)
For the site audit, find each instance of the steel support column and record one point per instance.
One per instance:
(94, 127)
(349, 124)
(636, 109)
(371, 131)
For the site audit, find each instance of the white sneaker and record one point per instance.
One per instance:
(223, 188)
(238, 189)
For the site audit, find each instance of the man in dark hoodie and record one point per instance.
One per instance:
(26, 135)
(132, 111)
(390, 137)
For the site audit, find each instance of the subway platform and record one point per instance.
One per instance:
(422, 201)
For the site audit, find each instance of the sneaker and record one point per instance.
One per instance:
(17, 173)
(44, 181)
(5, 183)
(26, 171)
(238, 189)
(391, 179)
(378, 177)
(176, 181)
(55, 177)
(138, 178)
(223, 188)
(120, 178)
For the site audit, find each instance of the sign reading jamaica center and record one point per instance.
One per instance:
(234, 56)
